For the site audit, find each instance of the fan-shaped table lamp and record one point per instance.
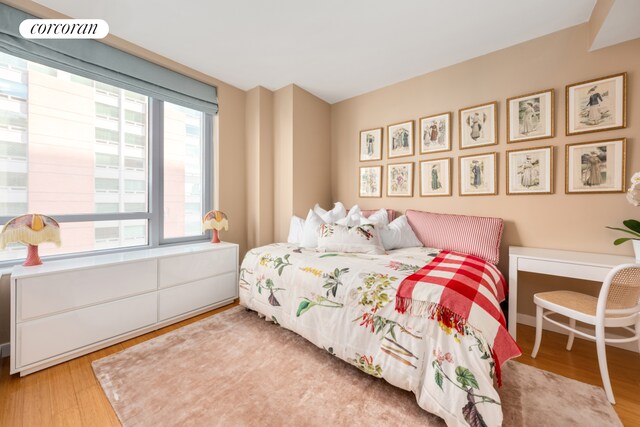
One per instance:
(215, 221)
(30, 230)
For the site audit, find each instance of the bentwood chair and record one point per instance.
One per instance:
(617, 306)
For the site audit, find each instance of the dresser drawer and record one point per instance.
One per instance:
(53, 293)
(182, 299)
(195, 266)
(55, 335)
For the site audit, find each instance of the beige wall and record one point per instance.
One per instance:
(283, 161)
(259, 161)
(559, 221)
(572, 222)
(302, 144)
(312, 152)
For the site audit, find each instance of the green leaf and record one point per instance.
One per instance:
(622, 240)
(393, 332)
(304, 306)
(260, 290)
(327, 255)
(624, 231)
(466, 378)
(439, 379)
(632, 224)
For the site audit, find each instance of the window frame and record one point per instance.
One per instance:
(155, 191)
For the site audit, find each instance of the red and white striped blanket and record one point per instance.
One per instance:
(461, 291)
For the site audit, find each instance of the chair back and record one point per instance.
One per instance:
(621, 289)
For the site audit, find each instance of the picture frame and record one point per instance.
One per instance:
(435, 177)
(435, 133)
(370, 181)
(530, 171)
(370, 145)
(478, 125)
(531, 116)
(400, 179)
(596, 167)
(400, 140)
(596, 105)
(478, 175)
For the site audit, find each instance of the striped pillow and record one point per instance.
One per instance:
(472, 235)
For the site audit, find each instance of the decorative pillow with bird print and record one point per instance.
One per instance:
(357, 239)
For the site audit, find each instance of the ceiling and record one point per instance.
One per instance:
(335, 49)
(620, 24)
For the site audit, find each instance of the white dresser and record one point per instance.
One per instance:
(64, 309)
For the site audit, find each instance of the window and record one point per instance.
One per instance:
(134, 185)
(135, 207)
(13, 179)
(183, 170)
(107, 160)
(83, 157)
(107, 207)
(107, 233)
(134, 163)
(13, 149)
(107, 184)
(107, 135)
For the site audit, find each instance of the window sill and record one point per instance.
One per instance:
(6, 267)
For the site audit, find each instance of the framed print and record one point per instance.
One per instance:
(371, 181)
(435, 133)
(530, 171)
(597, 105)
(477, 175)
(596, 167)
(400, 180)
(435, 177)
(531, 116)
(400, 139)
(371, 145)
(478, 125)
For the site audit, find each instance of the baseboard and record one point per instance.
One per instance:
(5, 350)
(529, 320)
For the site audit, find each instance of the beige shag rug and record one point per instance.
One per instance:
(235, 369)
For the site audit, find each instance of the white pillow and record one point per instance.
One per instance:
(296, 226)
(380, 217)
(398, 235)
(309, 238)
(340, 238)
(338, 212)
(352, 218)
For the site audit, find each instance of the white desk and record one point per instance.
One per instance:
(577, 265)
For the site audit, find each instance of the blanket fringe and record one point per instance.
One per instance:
(432, 311)
(444, 316)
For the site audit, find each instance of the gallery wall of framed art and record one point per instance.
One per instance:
(598, 167)
(537, 86)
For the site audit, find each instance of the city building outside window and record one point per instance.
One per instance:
(81, 151)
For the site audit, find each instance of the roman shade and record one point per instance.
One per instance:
(97, 61)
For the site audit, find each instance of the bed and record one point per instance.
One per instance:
(346, 303)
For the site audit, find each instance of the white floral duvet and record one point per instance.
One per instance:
(344, 303)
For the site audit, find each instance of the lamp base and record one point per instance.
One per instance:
(214, 236)
(32, 256)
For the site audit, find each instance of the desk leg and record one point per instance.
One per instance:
(513, 296)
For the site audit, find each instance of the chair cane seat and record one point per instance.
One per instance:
(575, 301)
(620, 291)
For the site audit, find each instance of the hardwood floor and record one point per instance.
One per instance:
(69, 395)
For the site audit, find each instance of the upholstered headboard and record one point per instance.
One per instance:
(473, 235)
